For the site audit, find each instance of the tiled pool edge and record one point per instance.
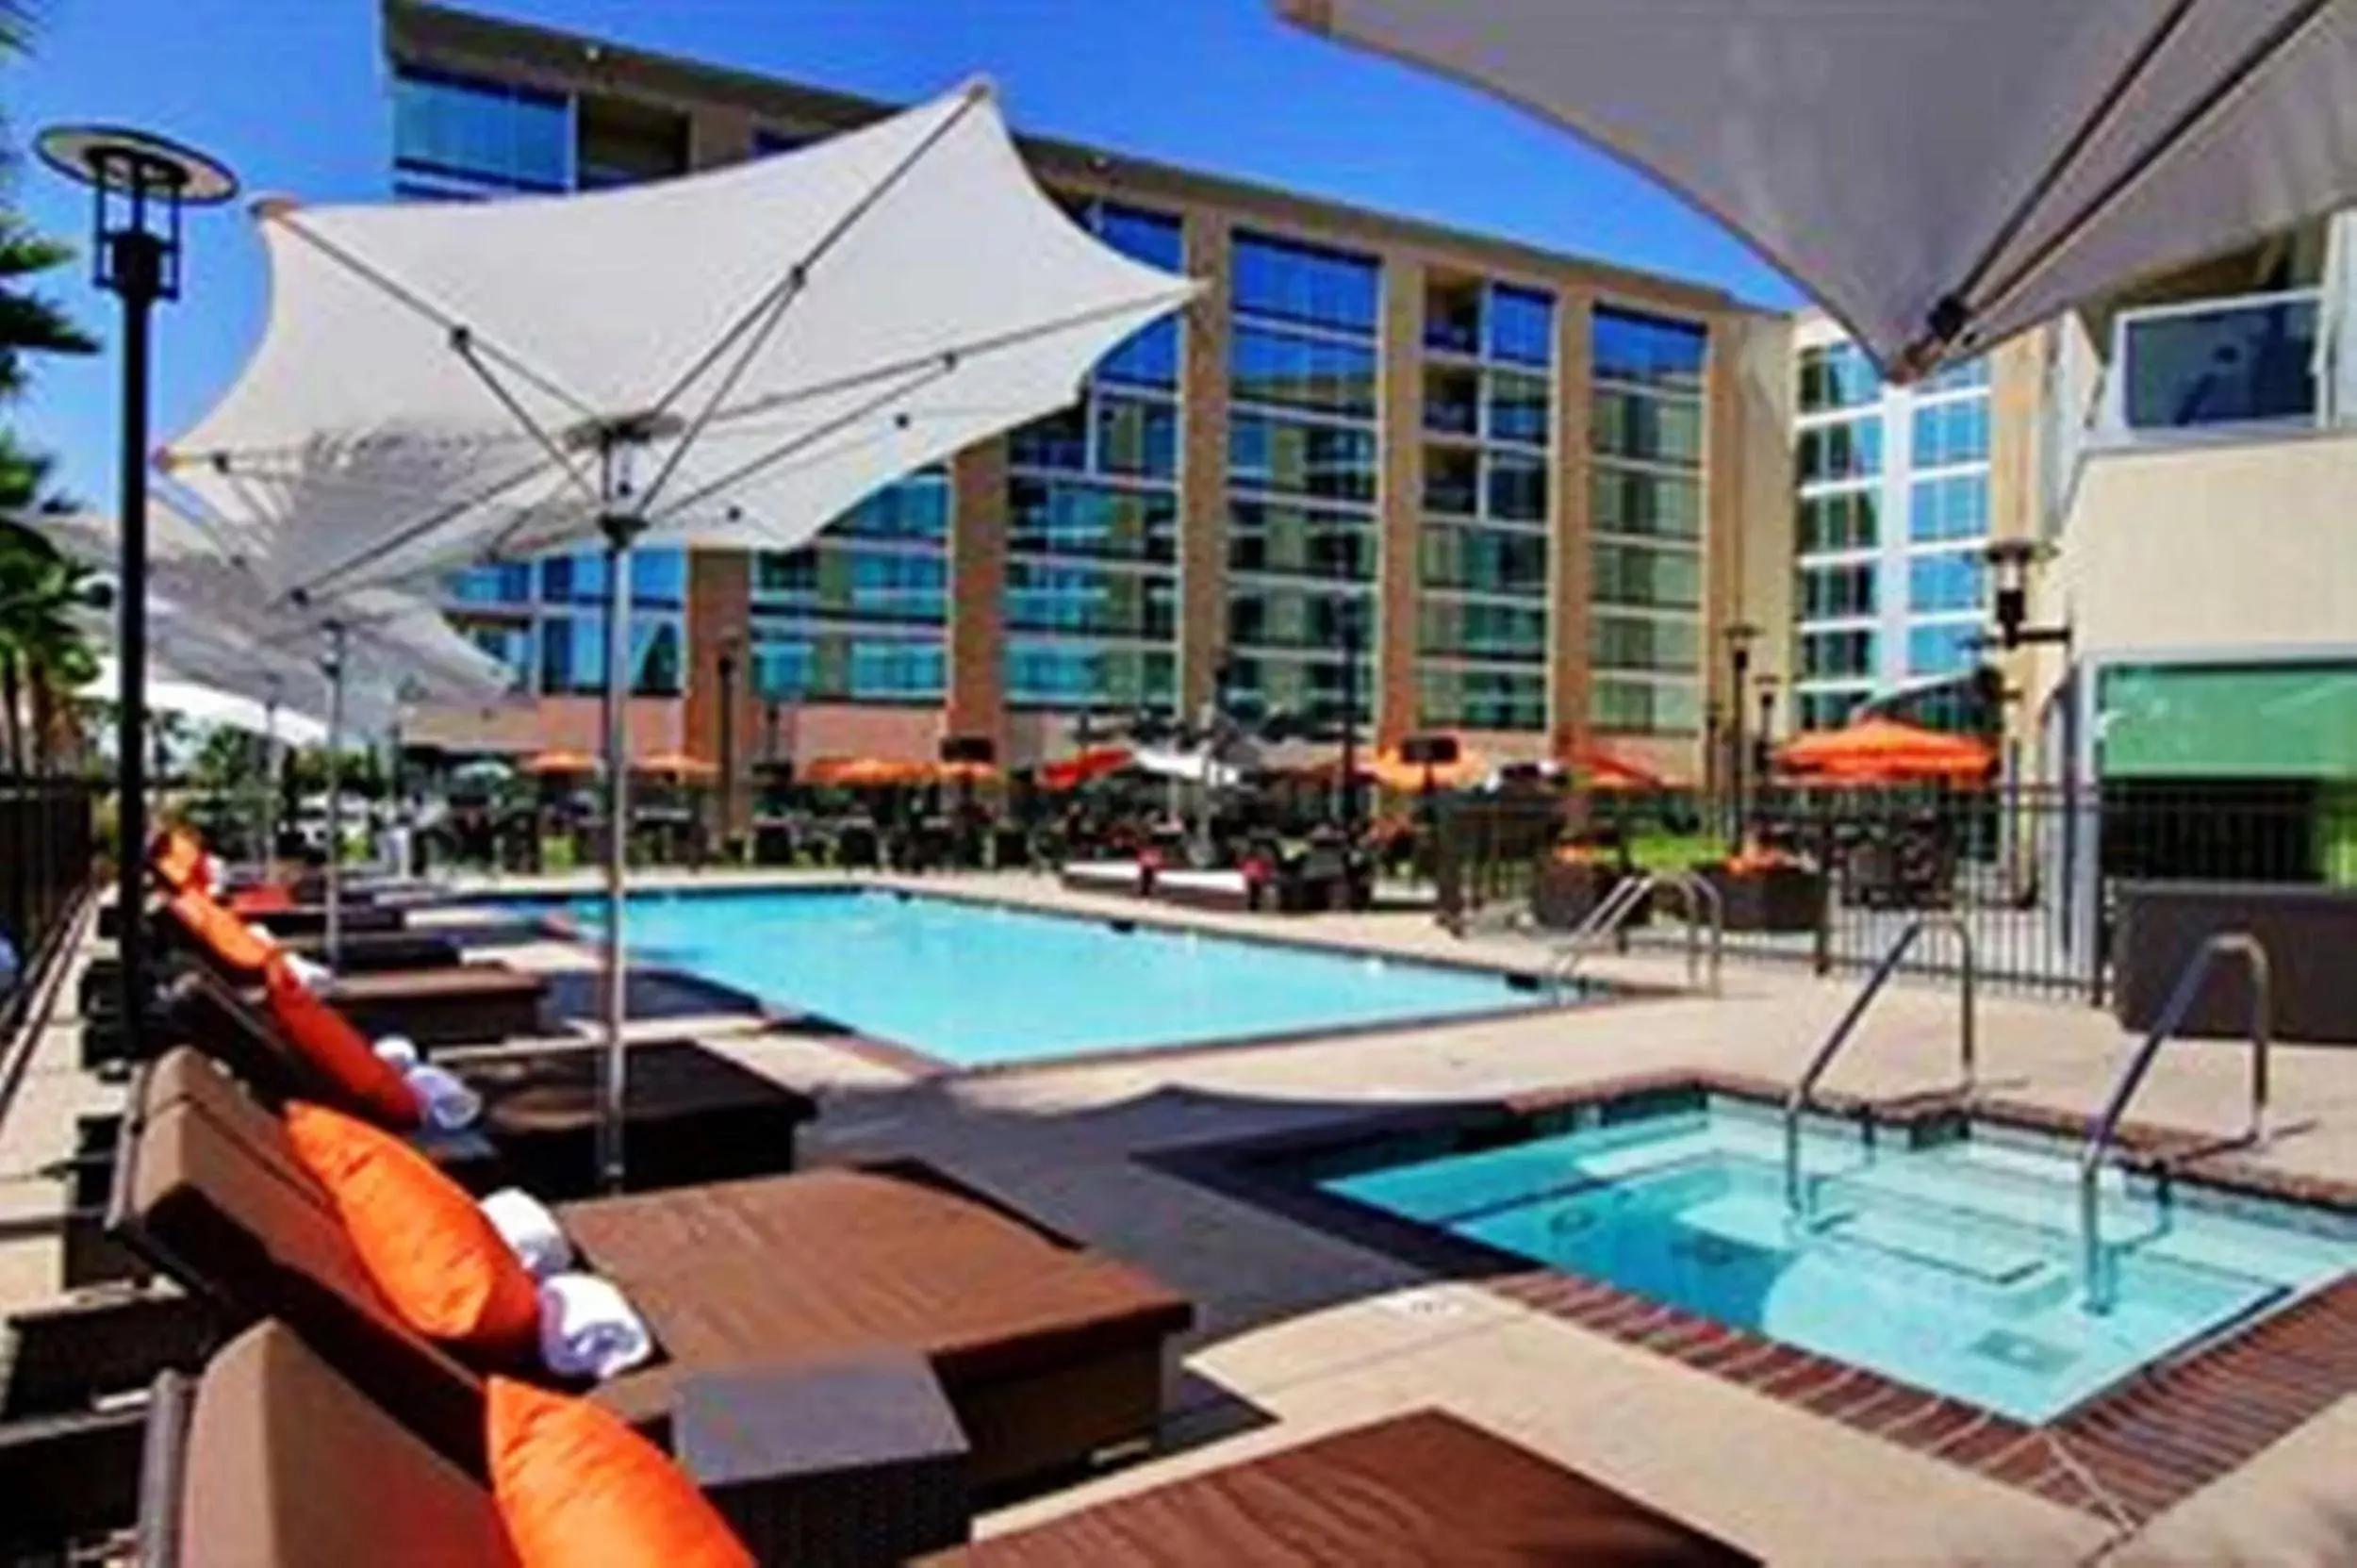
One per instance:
(2126, 1454)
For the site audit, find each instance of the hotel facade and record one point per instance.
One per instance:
(1516, 482)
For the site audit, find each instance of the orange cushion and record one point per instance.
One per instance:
(228, 938)
(425, 1242)
(269, 898)
(325, 1038)
(576, 1488)
(178, 860)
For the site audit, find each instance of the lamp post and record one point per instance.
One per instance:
(729, 646)
(1352, 633)
(1762, 756)
(1740, 638)
(138, 183)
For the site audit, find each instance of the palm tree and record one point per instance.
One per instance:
(31, 322)
(42, 652)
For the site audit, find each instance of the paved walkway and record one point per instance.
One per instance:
(1301, 1331)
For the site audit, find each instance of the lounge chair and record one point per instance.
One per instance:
(690, 1115)
(1049, 1353)
(270, 1458)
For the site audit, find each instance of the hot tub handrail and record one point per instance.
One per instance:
(1797, 1102)
(2094, 1280)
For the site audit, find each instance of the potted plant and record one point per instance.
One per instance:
(1572, 881)
(1762, 888)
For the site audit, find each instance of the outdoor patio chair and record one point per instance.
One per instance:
(1050, 1353)
(272, 1458)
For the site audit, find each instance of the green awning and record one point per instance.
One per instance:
(2241, 722)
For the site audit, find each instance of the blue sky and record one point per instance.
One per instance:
(292, 94)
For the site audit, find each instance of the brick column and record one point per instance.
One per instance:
(1399, 491)
(974, 637)
(719, 619)
(1203, 460)
(1571, 531)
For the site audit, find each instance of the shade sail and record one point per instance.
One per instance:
(207, 704)
(1938, 174)
(1097, 762)
(760, 346)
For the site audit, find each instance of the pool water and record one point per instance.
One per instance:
(1951, 1265)
(982, 983)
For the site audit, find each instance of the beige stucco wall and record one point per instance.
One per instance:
(2242, 546)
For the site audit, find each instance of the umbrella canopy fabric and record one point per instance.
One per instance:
(558, 763)
(1192, 766)
(209, 704)
(848, 312)
(1394, 772)
(1862, 149)
(862, 772)
(678, 765)
(1095, 762)
(1886, 750)
(1597, 768)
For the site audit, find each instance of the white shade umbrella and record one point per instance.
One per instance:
(734, 357)
(201, 704)
(1939, 174)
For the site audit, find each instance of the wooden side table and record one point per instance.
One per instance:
(850, 1463)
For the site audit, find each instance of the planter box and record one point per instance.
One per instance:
(1563, 893)
(2310, 934)
(1784, 899)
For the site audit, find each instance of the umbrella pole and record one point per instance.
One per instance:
(270, 784)
(618, 533)
(335, 793)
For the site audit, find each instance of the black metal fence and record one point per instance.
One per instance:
(48, 838)
(2033, 873)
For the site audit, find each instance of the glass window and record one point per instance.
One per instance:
(1137, 438)
(1837, 654)
(658, 577)
(1482, 629)
(891, 670)
(1057, 597)
(914, 508)
(1316, 686)
(1286, 368)
(1639, 425)
(896, 586)
(1064, 516)
(1951, 431)
(1334, 462)
(1646, 575)
(1947, 581)
(1273, 537)
(1838, 376)
(1155, 239)
(1057, 441)
(1632, 346)
(1955, 507)
(1659, 505)
(508, 641)
(1291, 616)
(1452, 481)
(1306, 283)
(573, 654)
(1517, 487)
(1829, 710)
(1972, 372)
(783, 665)
(1942, 650)
(1831, 592)
(1049, 674)
(503, 583)
(2232, 362)
(1846, 520)
(1643, 642)
(1481, 699)
(1487, 560)
(482, 137)
(1848, 449)
(1518, 407)
(1522, 325)
(1643, 707)
(787, 574)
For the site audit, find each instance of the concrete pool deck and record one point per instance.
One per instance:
(1301, 1331)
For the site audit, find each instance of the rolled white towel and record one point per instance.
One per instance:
(588, 1329)
(315, 977)
(216, 873)
(397, 1051)
(525, 1224)
(261, 933)
(444, 1095)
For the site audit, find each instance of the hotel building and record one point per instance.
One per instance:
(1517, 482)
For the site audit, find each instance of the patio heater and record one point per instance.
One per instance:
(2010, 563)
(1740, 638)
(138, 183)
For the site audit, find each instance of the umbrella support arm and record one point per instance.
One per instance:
(336, 649)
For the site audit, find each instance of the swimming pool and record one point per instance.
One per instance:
(973, 984)
(1945, 1258)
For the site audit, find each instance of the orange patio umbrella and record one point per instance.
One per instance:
(863, 772)
(1599, 769)
(677, 765)
(558, 763)
(1392, 771)
(1885, 750)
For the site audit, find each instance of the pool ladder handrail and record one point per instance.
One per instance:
(1797, 1103)
(2095, 1281)
(1610, 913)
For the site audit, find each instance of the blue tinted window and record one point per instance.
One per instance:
(1952, 432)
(1052, 674)
(782, 667)
(658, 577)
(1847, 652)
(1838, 376)
(510, 642)
(573, 654)
(1064, 516)
(1632, 346)
(1949, 580)
(506, 583)
(1134, 436)
(1955, 507)
(1060, 441)
(917, 507)
(1153, 237)
(1336, 462)
(1849, 448)
(1942, 650)
(484, 138)
(1973, 372)
(1518, 407)
(1522, 325)
(896, 670)
(1147, 357)
(1306, 283)
(1272, 366)
(1517, 488)
(1063, 597)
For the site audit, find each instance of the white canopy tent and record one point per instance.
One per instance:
(1938, 175)
(733, 357)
